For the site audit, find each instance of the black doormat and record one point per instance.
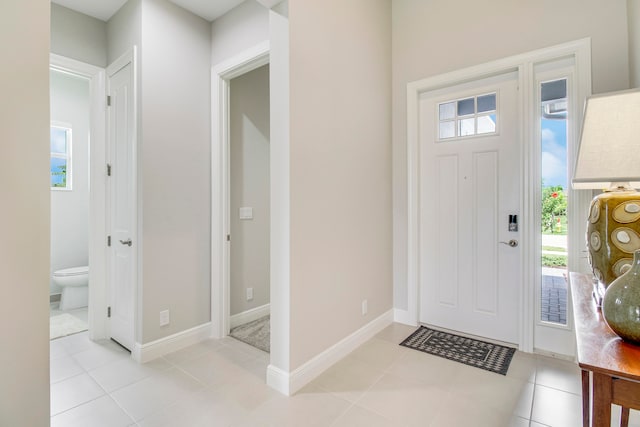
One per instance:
(483, 355)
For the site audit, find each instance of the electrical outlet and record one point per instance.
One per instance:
(164, 318)
(365, 308)
(249, 294)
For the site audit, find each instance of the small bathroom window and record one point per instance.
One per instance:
(60, 165)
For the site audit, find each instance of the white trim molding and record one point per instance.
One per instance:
(221, 75)
(404, 317)
(143, 353)
(289, 383)
(249, 315)
(580, 50)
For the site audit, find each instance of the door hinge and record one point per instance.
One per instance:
(108, 100)
(108, 240)
(228, 237)
(108, 311)
(108, 169)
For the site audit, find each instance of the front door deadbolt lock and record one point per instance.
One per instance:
(513, 243)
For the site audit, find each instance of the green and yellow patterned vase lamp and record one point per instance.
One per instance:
(609, 159)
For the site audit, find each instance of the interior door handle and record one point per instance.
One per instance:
(513, 243)
(126, 242)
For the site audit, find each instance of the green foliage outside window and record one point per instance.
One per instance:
(61, 182)
(554, 209)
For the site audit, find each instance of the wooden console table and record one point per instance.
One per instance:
(614, 365)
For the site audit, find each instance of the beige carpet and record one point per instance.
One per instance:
(256, 333)
(65, 324)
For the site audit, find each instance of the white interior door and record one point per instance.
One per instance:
(121, 190)
(469, 187)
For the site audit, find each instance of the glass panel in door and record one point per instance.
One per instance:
(553, 133)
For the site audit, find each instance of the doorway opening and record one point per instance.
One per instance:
(249, 208)
(221, 212)
(77, 198)
(69, 174)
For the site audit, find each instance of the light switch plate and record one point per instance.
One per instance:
(246, 213)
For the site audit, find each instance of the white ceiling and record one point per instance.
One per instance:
(105, 9)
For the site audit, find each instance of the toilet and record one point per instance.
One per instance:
(75, 287)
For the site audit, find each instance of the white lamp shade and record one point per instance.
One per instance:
(609, 150)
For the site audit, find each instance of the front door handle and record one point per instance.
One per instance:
(126, 242)
(513, 243)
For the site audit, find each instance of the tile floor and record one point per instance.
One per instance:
(80, 313)
(221, 383)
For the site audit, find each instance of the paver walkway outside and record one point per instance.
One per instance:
(554, 297)
(554, 284)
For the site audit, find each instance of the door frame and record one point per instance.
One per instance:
(524, 64)
(221, 76)
(97, 306)
(129, 56)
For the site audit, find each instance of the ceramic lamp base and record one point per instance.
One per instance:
(621, 304)
(613, 233)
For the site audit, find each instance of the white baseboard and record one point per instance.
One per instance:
(249, 315)
(289, 383)
(278, 379)
(143, 353)
(404, 317)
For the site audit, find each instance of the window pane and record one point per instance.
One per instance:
(486, 103)
(447, 129)
(58, 172)
(554, 90)
(466, 106)
(487, 124)
(447, 111)
(58, 140)
(467, 127)
(554, 172)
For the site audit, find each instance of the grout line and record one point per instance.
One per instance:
(88, 401)
(561, 390)
(533, 399)
(342, 414)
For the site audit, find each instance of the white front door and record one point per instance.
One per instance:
(121, 196)
(470, 188)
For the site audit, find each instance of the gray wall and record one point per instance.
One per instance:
(633, 11)
(70, 104)
(249, 159)
(173, 64)
(430, 38)
(78, 36)
(340, 170)
(239, 29)
(175, 168)
(124, 30)
(24, 246)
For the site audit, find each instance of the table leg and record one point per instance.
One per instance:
(586, 398)
(601, 400)
(624, 417)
